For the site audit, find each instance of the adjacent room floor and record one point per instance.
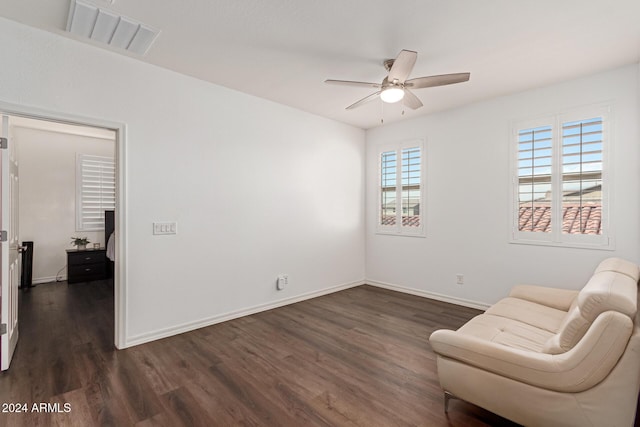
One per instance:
(359, 357)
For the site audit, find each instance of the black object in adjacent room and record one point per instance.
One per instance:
(26, 279)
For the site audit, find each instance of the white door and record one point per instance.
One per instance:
(10, 265)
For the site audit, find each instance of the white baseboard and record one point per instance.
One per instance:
(190, 326)
(431, 295)
(40, 280)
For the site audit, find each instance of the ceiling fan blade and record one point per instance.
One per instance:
(351, 83)
(363, 101)
(441, 80)
(411, 100)
(402, 66)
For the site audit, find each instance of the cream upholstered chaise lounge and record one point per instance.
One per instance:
(551, 357)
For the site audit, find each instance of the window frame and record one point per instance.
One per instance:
(398, 229)
(556, 237)
(80, 220)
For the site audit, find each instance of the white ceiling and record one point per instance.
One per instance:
(283, 50)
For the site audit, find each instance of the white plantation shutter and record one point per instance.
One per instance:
(582, 176)
(95, 190)
(561, 179)
(388, 188)
(411, 191)
(535, 156)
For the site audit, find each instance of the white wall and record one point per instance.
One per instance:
(468, 185)
(256, 188)
(48, 194)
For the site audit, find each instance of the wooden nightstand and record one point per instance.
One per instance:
(85, 265)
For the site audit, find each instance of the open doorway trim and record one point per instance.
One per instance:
(120, 273)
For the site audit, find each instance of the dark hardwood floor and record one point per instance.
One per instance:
(359, 357)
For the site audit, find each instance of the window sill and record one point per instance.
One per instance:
(394, 233)
(595, 246)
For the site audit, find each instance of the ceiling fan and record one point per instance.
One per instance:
(395, 86)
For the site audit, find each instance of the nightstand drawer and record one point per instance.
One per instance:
(80, 258)
(97, 270)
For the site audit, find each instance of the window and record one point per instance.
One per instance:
(560, 185)
(401, 196)
(95, 190)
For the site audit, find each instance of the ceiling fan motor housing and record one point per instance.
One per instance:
(388, 63)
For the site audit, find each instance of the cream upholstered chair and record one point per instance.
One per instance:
(551, 357)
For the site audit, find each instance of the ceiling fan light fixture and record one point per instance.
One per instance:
(392, 94)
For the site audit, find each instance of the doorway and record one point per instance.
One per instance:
(66, 138)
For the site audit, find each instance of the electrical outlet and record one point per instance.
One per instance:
(283, 280)
(460, 279)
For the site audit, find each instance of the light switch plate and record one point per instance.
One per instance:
(165, 228)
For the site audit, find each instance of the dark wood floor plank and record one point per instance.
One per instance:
(152, 361)
(360, 357)
(384, 371)
(269, 372)
(78, 415)
(140, 400)
(340, 377)
(252, 397)
(223, 406)
(186, 410)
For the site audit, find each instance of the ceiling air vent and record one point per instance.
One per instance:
(87, 20)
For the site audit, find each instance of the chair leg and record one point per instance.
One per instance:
(447, 397)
